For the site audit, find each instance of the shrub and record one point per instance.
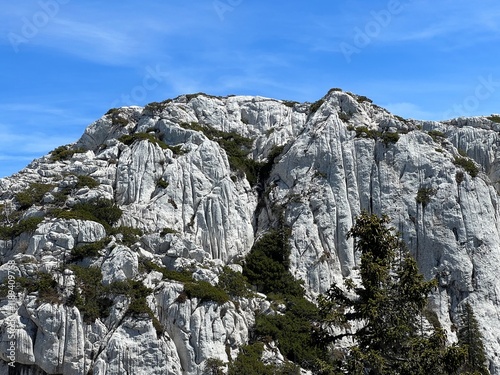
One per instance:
(436, 135)
(234, 283)
(363, 131)
(467, 164)
(87, 181)
(33, 194)
(389, 137)
(166, 231)
(64, 153)
(181, 276)
(205, 291)
(27, 225)
(44, 284)
(162, 183)
(316, 105)
(101, 210)
(130, 234)
(131, 138)
(494, 118)
(90, 250)
(290, 103)
(362, 99)
(424, 196)
(266, 266)
(459, 177)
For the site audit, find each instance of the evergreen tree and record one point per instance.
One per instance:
(470, 338)
(384, 314)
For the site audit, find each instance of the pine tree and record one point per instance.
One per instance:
(470, 338)
(388, 309)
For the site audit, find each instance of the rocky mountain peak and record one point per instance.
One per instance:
(139, 218)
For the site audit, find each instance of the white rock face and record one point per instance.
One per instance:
(197, 212)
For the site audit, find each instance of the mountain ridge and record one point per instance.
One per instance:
(171, 168)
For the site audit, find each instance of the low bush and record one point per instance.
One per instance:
(64, 153)
(87, 181)
(364, 132)
(468, 165)
(44, 284)
(424, 196)
(32, 195)
(101, 210)
(388, 138)
(436, 135)
(28, 225)
(90, 250)
(205, 291)
(130, 235)
(181, 276)
(316, 105)
(234, 283)
(494, 118)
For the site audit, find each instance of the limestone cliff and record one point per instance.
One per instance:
(195, 205)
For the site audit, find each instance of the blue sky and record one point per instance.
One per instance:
(66, 62)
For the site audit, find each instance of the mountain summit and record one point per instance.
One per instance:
(122, 253)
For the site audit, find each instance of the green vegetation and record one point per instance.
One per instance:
(424, 196)
(32, 195)
(87, 181)
(162, 183)
(471, 339)
(205, 291)
(166, 231)
(44, 284)
(266, 266)
(28, 225)
(290, 103)
(467, 164)
(156, 108)
(459, 177)
(90, 250)
(101, 210)
(363, 99)
(150, 137)
(181, 276)
(234, 283)
(248, 362)
(387, 310)
(387, 137)
(64, 153)
(436, 135)
(130, 235)
(364, 132)
(316, 105)
(237, 149)
(494, 118)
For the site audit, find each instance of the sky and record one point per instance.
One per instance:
(64, 63)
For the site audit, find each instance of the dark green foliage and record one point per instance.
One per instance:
(181, 276)
(90, 250)
(467, 164)
(436, 135)
(166, 231)
(266, 266)
(213, 366)
(459, 177)
(90, 296)
(424, 195)
(316, 105)
(335, 89)
(162, 183)
(494, 118)
(362, 99)
(234, 283)
(249, 362)
(388, 138)
(32, 195)
(388, 308)
(150, 137)
(44, 284)
(266, 168)
(292, 331)
(470, 338)
(101, 210)
(28, 225)
(205, 291)
(64, 153)
(155, 108)
(237, 149)
(130, 235)
(364, 132)
(290, 103)
(87, 181)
